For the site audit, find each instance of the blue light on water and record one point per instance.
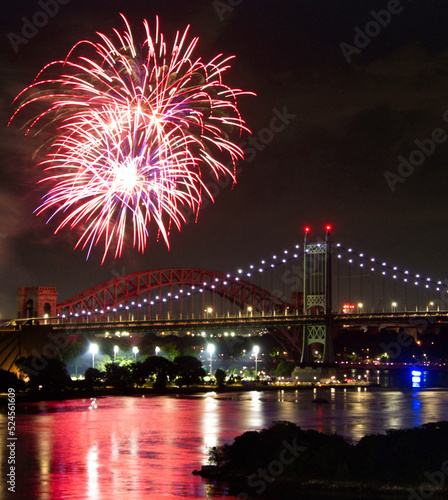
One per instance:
(416, 378)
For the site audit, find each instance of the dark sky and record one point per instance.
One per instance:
(351, 117)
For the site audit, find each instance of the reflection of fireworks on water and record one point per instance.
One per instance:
(135, 126)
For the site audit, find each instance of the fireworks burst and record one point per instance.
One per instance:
(137, 126)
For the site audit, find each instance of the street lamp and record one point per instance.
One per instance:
(394, 305)
(135, 351)
(249, 310)
(211, 350)
(360, 306)
(256, 351)
(93, 349)
(115, 352)
(157, 350)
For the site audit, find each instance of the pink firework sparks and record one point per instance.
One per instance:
(136, 127)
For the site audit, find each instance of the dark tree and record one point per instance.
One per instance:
(51, 374)
(119, 377)
(9, 380)
(189, 370)
(220, 376)
(93, 377)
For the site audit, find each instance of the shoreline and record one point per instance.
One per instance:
(38, 397)
(288, 488)
(29, 397)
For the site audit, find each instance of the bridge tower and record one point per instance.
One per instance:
(317, 297)
(36, 301)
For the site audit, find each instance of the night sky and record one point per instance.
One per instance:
(352, 112)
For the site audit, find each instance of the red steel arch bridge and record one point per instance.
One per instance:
(168, 293)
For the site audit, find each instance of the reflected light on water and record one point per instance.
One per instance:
(142, 448)
(92, 473)
(210, 422)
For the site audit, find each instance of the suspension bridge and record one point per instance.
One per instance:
(299, 295)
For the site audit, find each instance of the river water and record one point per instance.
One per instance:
(147, 447)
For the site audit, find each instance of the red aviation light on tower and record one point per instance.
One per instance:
(307, 229)
(328, 227)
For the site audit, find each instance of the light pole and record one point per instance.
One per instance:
(249, 310)
(211, 350)
(93, 349)
(157, 350)
(256, 351)
(115, 352)
(394, 306)
(135, 351)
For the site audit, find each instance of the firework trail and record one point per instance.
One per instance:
(137, 126)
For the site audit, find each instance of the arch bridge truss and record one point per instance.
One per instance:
(171, 293)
